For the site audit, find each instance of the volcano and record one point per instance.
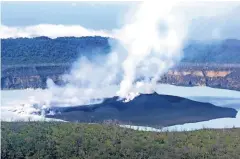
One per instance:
(146, 109)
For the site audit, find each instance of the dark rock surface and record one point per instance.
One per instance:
(146, 109)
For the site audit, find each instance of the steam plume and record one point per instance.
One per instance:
(153, 39)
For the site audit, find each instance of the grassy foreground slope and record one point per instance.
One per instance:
(74, 140)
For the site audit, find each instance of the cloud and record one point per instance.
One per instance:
(216, 20)
(220, 27)
(51, 31)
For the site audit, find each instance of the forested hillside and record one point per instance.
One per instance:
(43, 50)
(51, 140)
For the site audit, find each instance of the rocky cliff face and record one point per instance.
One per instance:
(217, 76)
(21, 77)
(185, 74)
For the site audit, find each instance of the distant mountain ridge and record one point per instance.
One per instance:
(225, 51)
(68, 49)
(145, 109)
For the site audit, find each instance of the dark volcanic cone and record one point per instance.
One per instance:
(146, 110)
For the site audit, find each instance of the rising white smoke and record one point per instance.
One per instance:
(153, 39)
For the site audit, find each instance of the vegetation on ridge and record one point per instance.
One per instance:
(74, 140)
(43, 50)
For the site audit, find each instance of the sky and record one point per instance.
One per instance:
(92, 15)
(110, 15)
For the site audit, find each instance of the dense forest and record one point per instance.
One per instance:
(54, 140)
(43, 50)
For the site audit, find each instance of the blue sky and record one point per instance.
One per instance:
(110, 15)
(92, 15)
